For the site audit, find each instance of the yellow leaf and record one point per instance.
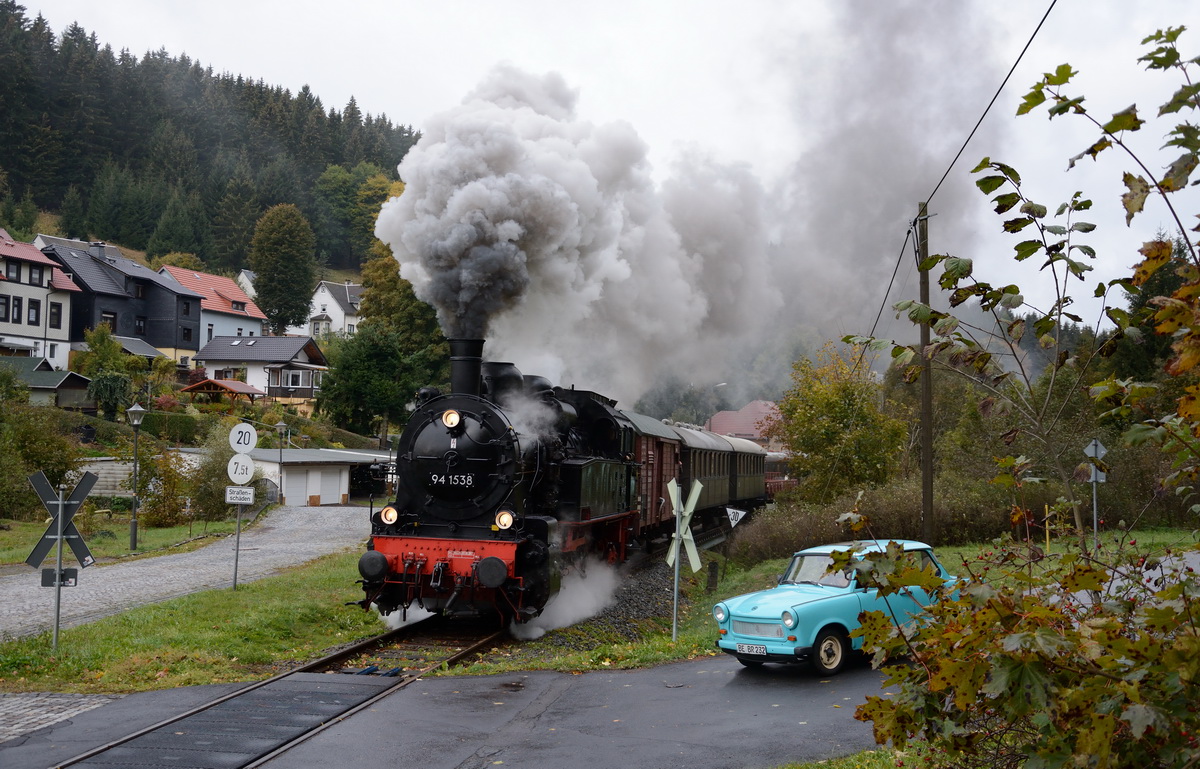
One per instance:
(1156, 253)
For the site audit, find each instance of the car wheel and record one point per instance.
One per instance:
(830, 651)
(750, 663)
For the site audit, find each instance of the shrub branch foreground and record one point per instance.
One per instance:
(1041, 660)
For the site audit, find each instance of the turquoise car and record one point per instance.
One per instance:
(809, 615)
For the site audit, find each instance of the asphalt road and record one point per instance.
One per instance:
(703, 714)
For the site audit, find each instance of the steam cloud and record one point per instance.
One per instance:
(546, 234)
(582, 595)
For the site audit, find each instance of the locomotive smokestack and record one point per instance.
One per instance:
(466, 361)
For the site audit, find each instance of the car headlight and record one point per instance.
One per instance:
(389, 515)
(789, 620)
(719, 613)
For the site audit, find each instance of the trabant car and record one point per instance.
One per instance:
(809, 615)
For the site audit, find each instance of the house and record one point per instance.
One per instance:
(132, 299)
(334, 310)
(287, 368)
(245, 280)
(747, 422)
(35, 304)
(225, 310)
(49, 386)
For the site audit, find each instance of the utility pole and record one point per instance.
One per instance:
(926, 381)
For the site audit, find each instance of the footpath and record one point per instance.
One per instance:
(282, 538)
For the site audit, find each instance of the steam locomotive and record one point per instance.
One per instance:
(507, 482)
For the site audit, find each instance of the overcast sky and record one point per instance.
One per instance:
(848, 112)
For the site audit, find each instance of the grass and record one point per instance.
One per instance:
(210, 637)
(109, 538)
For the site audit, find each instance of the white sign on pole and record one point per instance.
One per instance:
(240, 468)
(735, 516)
(239, 495)
(243, 437)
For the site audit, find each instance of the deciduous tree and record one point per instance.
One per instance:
(282, 254)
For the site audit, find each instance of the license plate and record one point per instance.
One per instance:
(758, 649)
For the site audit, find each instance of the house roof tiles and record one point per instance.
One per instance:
(220, 294)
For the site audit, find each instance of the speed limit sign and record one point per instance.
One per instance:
(242, 438)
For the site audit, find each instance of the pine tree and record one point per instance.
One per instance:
(73, 222)
(233, 225)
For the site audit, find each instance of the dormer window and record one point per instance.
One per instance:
(235, 342)
(239, 306)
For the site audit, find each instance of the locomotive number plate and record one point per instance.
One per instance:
(452, 479)
(752, 649)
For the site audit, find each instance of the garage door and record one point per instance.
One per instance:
(295, 487)
(331, 486)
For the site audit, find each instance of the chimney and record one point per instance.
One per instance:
(97, 249)
(466, 360)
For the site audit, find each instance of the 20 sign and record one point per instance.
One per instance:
(242, 438)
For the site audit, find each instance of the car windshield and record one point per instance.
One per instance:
(813, 570)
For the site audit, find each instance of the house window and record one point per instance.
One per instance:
(16, 309)
(35, 274)
(56, 315)
(187, 333)
(139, 290)
(139, 326)
(239, 306)
(4, 308)
(273, 380)
(295, 378)
(187, 307)
(350, 328)
(52, 350)
(110, 318)
(210, 332)
(12, 271)
(239, 333)
(35, 312)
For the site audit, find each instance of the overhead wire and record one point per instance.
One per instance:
(925, 205)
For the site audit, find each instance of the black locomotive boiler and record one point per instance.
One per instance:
(507, 481)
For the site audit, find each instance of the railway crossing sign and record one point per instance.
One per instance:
(683, 528)
(70, 506)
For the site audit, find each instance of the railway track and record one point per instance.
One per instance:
(249, 727)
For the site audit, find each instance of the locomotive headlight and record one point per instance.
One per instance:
(451, 418)
(504, 520)
(389, 515)
(719, 613)
(789, 620)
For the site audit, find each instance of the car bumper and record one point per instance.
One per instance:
(776, 652)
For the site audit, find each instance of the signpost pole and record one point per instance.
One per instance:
(58, 568)
(237, 546)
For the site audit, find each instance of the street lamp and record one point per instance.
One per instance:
(281, 428)
(134, 415)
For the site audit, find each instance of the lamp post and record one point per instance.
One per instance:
(281, 428)
(134, 415)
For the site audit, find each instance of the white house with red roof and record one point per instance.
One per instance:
(226, 310)
(35, 303)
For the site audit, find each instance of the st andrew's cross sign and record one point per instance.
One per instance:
(71, 534)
